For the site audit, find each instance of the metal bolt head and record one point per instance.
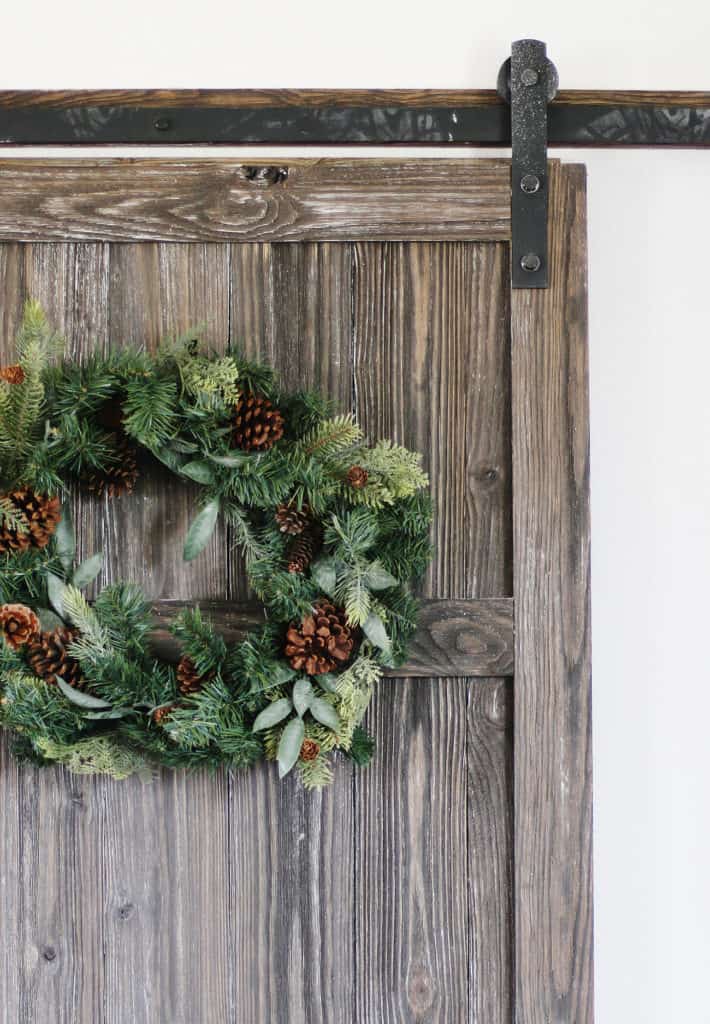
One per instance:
(162, 124)
(529, 76)
(530, 183)
(531, 262)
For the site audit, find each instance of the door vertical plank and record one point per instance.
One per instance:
(432, 371)
(553, 661)
(292, 851)
(57, 920)
(167, 865)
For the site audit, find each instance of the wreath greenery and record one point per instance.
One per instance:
(334, 532)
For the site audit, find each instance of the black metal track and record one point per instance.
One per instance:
(568, 125)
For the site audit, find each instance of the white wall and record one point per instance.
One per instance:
(650, 345)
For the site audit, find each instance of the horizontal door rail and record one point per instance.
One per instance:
(357, 117)
(455, 638)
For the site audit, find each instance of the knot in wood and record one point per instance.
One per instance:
(270, 175)
(486, 474)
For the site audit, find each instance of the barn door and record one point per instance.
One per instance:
(450, 881)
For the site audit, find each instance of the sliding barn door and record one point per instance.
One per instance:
(450, 881)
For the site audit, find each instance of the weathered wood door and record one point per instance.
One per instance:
(450, 881)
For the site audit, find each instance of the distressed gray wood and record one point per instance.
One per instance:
(292, 889)
(432, 371)
(221, 200)
(553, 752)
(454, 638)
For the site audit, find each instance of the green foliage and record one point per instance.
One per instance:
(128, 712)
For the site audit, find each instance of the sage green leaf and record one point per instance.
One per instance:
(82, 700)
(231, 461)
(185, 447)
(282, 673)
(113, 713)
(377, 577)
(55, 593)
(374, 629)
(327, 682)
(88, 571)
(302, 695)
(201, 530)
(325, 574)
(290, 745)
(325, 713)
(200, 471)
(275, 712)
(48, 619)
(169, 458)
(64, 539)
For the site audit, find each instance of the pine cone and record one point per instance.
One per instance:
(119, 477)
(189, 679)
(357, 477)
(41, 514)
(258, 424)
(48, 657)
(321, 643)
(19, 624)
(12, 374)
(292, 520)
(160, 714)
(303, 548)
(309, 750)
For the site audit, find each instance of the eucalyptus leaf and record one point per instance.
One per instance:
(302, 695)
(49, 620)
(325, 713)
(377, 577)
(82, 700)
(375, 631)
(88, 571)
(169, 458)
(290, 745)
(325, 574)
(185, 447)
(327, 682)
(55, 593)
(231, 461)
(282, 673)
(201, 530)
(113, 713)
(64, 539)
(200, 471)
(275, 713)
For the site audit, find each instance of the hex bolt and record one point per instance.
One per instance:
(531, 262)
(529, 76)
(162, 124)
(530, 183)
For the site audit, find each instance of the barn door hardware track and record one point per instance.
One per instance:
(525, 113)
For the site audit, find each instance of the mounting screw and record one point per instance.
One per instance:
(162, 124)
(531, 262)
(530, 183)
(529, 76)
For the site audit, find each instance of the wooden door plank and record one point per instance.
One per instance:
(225, 200)
(291, 892)
(553, 648)
(167, 855)
(432, 371)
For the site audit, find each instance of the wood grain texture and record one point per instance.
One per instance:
(455, 638)
(432, 372)
(217, 200)
(553, 648)
(256, 98)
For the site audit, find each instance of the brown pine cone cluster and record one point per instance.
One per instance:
(48, 657)
(12, 374)
(303, 548)
(357, 477)
(18, 624)
(119, 477)
(257, 424)
(292, 520)
(309, 750)
(161, 714)
(41, 515)
(189, 679)
(321, 643)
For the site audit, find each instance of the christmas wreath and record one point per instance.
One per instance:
(334, 532)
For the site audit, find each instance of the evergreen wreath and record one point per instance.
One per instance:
(334, 532)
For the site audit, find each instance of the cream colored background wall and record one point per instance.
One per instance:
(650, 346)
